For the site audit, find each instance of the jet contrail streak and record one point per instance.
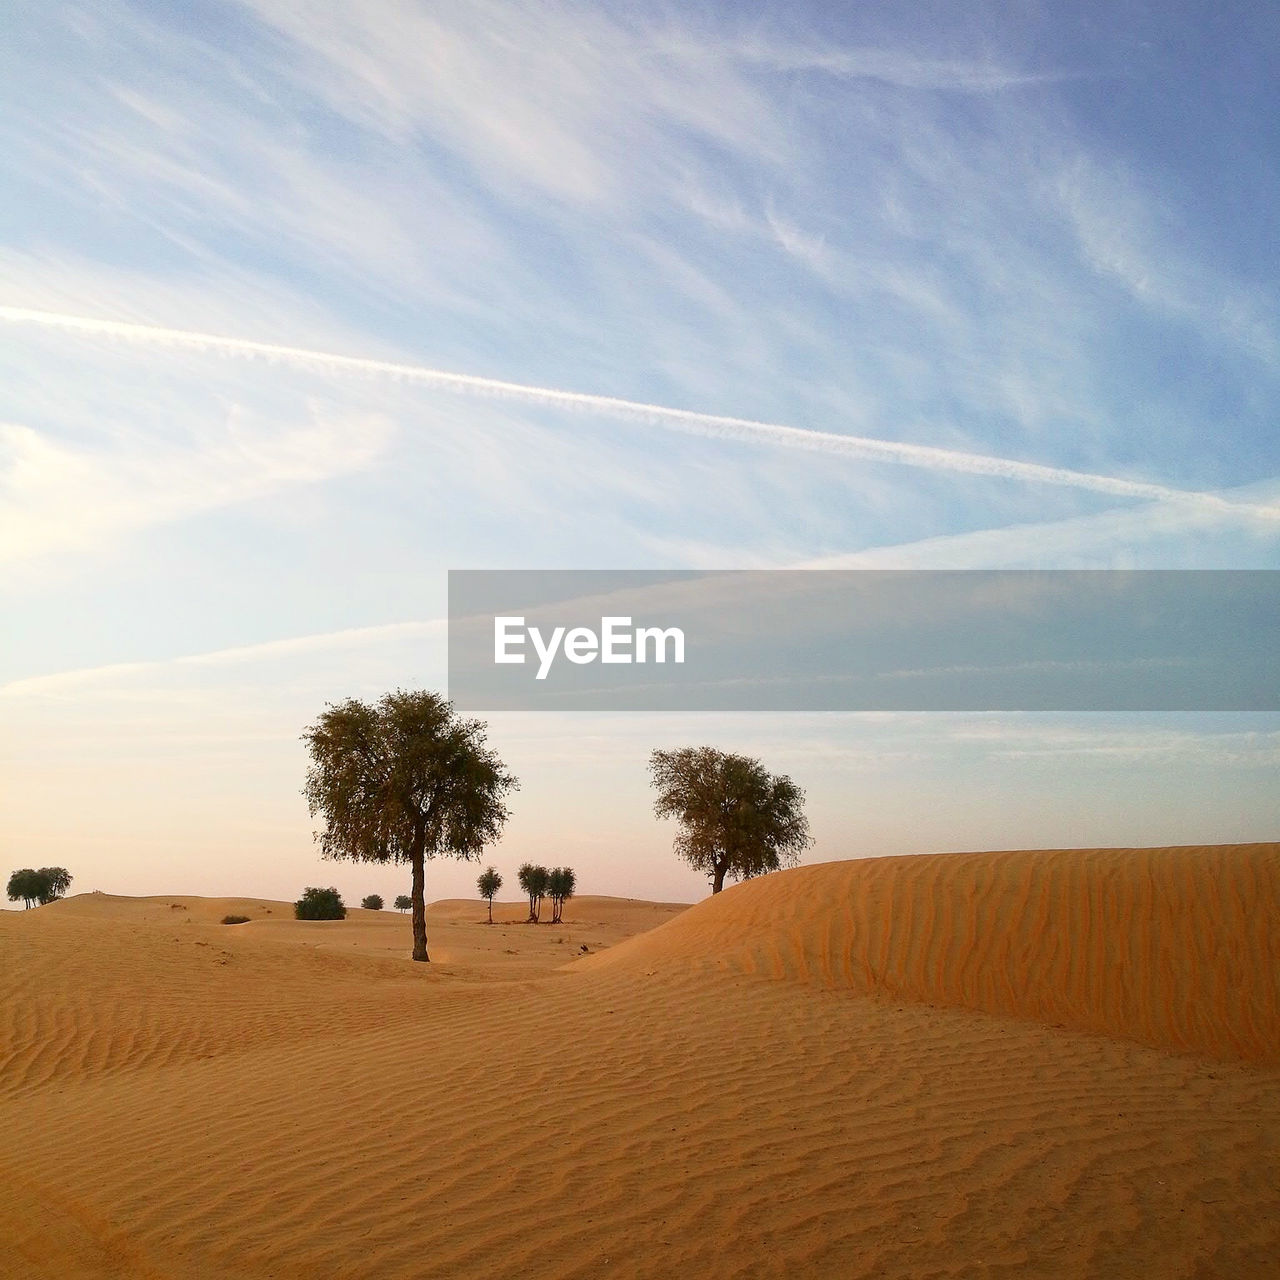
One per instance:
(689, 421)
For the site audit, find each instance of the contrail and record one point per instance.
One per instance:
(688, 421)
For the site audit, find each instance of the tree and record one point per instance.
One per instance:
(737, 819)
(320, 904)
(561, 884)
(372, 903)
(57, 881)
(26, 886)
(489, 883)
(403, 902)
(38, 888)
(404, 780)
(533, 880)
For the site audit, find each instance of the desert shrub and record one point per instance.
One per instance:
(372, 903)
(403, 902)
(320, 904)
(235, 919)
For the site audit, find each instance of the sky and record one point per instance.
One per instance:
(303, 304)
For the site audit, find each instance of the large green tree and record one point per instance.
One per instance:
(736, 818)
(404, 780)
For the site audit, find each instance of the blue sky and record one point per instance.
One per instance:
(1009, 233)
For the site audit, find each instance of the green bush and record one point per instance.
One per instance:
(372, 903)
(403, 902)
(320, 904)
(235, 919)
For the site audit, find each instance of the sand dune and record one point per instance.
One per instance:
(1178, 948)
(714, 1097)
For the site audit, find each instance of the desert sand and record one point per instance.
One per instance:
(1042, 1063)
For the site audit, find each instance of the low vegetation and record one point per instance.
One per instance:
(372, 903)
(235, 919)
(403, 902)
(320, 904)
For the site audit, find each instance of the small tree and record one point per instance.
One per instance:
(403, 902)
(372, 903)
(320, 904)
(489, 883)
(533, 880)
(38, 888)
(403, 781)
(561, 884)
(737, 819)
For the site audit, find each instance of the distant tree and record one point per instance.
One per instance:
(489, 883)
(320, 904)
(561, 884)
(736, 817)
(372, 903)
(403, 902)
(403, 780)
(533, 880)
(37, 888)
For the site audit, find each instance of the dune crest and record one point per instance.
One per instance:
(1177, 948)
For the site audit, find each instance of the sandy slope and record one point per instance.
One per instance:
(277, 1099)
(1178, 948)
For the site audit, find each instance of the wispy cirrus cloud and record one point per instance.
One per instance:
(714, 425)
(57, 497)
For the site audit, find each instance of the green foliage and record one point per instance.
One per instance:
(489, 882)
(320, 904)
(403, 780)
(235, 919)
(562, 883)
(736, 818)
(37, 888)
(372, 903)
(533, 880)
(403, 902)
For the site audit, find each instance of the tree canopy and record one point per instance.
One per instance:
(736, 818)
(37, 888)
(404, 780)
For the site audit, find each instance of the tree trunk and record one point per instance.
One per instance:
(490, 910)
(419, 907)
(718, 870)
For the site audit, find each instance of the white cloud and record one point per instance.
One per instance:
(55, 496)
